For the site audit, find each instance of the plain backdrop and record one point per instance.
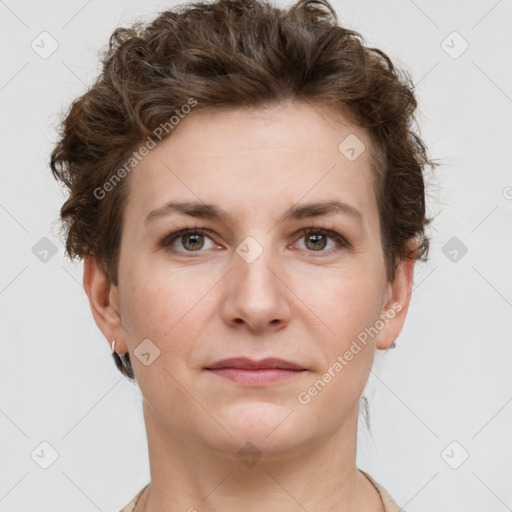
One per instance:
(440, 402)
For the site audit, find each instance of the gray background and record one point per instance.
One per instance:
(449, 379)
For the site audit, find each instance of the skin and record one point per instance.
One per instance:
(301, 300)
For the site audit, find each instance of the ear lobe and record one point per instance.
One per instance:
(398, 298)
(104, 302)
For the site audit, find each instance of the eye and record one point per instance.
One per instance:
(191, 239)
(316, 239)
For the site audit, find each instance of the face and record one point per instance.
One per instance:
(268, 276)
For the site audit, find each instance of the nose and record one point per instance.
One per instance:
(256, 294)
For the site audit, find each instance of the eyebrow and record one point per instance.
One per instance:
(214, 212)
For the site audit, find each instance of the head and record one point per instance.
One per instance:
(252, 112)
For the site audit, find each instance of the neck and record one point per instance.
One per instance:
(189, 476)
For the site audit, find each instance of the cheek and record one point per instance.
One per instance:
(350, 307)
(164, 308)
(348, 301)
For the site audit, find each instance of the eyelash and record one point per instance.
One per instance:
(168, 239)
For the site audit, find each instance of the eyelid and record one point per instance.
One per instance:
(329, 232)
(169, 238)
(340, 240)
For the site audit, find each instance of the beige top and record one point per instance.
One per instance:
(389, 504)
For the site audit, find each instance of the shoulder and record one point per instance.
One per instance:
(131, 506)
(389, 504)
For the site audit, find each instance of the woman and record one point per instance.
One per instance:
(248, 198)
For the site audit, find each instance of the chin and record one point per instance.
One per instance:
(268, 426)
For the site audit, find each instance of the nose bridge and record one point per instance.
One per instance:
(254, 262)
(258, 295)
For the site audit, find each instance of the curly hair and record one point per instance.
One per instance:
(229, 54)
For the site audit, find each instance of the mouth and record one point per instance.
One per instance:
(249, 372)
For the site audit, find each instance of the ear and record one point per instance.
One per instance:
(104, 301)
(397, 299)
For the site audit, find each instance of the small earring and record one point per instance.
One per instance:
(393, 345)
(113, 345)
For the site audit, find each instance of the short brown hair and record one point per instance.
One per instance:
(228, 54)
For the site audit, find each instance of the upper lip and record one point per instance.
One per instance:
(251, 364)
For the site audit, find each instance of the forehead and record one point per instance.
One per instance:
(248, 158)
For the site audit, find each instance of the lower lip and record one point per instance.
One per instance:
(261, 377)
